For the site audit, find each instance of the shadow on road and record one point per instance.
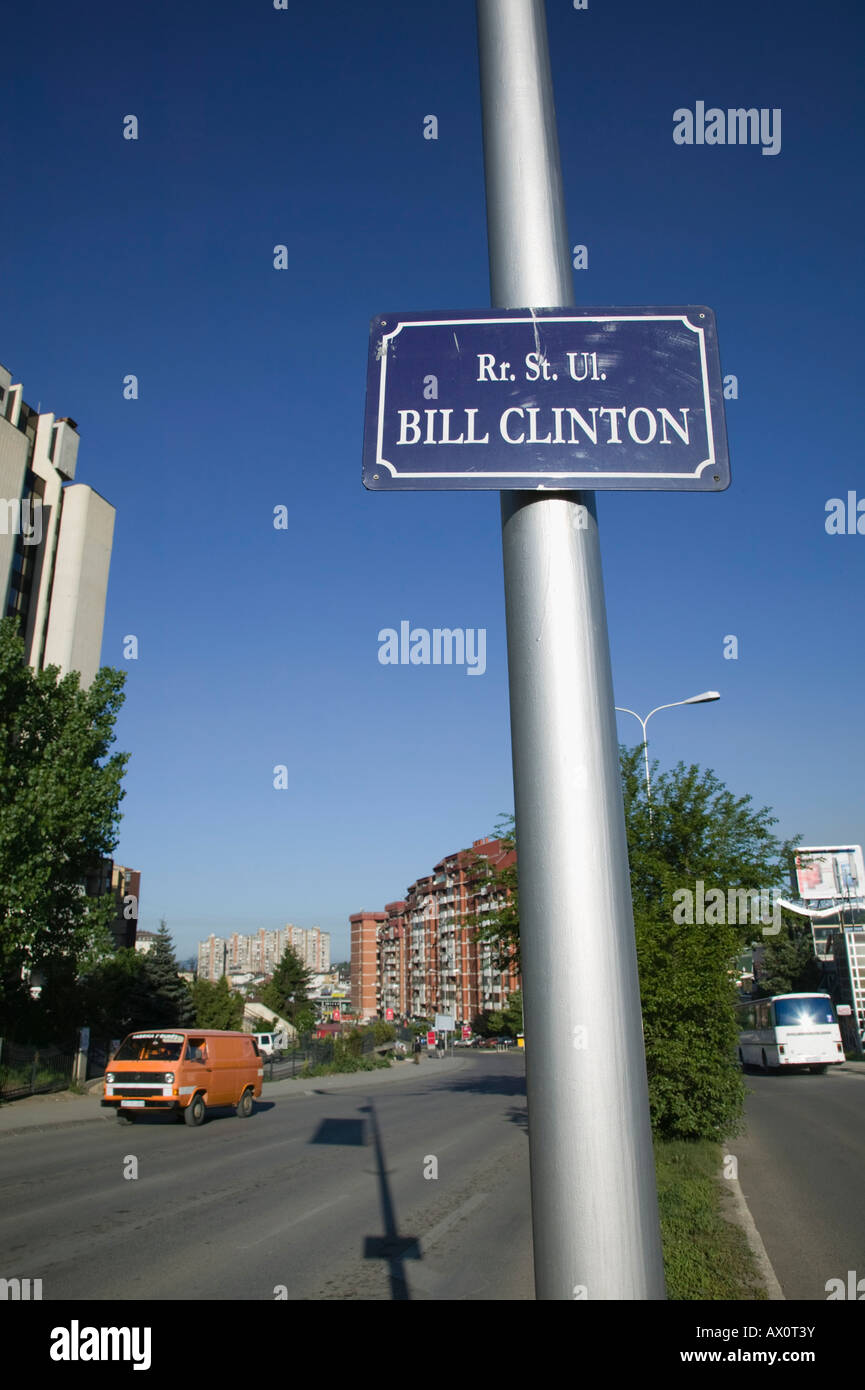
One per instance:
(485, 1084)
(392, 1247)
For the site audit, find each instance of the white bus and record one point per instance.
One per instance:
(793, 1031)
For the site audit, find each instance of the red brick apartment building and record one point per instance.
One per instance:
(419, 957)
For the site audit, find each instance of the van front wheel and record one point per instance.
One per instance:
(245, 1105)
(195, 1111)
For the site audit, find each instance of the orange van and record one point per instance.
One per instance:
(187, 1071)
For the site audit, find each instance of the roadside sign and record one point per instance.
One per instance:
(554, 399)
(444, 1023)
(430, 1039)
(467, 1032)
(388, 1014)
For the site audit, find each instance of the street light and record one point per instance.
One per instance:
(703, 699)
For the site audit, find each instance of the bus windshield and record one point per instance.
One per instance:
(803, 1013)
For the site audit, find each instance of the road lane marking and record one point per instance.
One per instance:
(431, 1236)
(314, 1211)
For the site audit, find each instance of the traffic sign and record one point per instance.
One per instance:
(554, 399)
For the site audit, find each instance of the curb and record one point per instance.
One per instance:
(350, 1080)
(39, 1106)
(742, 1218)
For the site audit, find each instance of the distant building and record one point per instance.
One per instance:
(364, 962)
(126, 884)
(212, 958)
(145, 941)
(259, 953)
(421, 957)
(107, 877)
(55, 539)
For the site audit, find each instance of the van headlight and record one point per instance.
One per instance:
(168, 1077)
(109, 1076)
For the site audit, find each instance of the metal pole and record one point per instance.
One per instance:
(594, 1201)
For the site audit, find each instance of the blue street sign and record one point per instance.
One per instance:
(558, 399)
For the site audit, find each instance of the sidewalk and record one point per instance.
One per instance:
(62, 1108)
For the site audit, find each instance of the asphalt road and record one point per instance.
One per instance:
(801, 1167)
(323, 1197)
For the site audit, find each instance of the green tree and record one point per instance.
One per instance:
(171, 1001)
(698, 831)
(286, 992)
(382, 1032)
(60, 793)
(304, 1019)
(215, 1005)
(789, 965)
(512, 1015)
(118, 995)
(497, 886)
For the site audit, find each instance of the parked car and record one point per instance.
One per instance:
(271, 1045)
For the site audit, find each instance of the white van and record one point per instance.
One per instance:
(271, 1044)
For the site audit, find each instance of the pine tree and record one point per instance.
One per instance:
(170, 998)
(286, 991)
(215, 1005)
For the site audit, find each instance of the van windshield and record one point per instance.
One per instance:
(150, 1047)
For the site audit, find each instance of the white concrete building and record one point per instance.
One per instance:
(55, 539)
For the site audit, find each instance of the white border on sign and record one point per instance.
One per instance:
(381, 461)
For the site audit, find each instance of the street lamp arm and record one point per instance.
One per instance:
(622, 710)
(660, 707)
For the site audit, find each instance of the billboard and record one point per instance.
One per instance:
(830, 872)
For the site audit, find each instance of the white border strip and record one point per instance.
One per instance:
(381, 462)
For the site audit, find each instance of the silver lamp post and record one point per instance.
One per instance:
(703, 699)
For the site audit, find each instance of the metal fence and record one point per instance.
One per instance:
(318, 1052)
(26, 1070)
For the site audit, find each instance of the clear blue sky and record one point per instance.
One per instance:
(259, 647)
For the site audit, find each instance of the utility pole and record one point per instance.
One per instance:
(594, 1202)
